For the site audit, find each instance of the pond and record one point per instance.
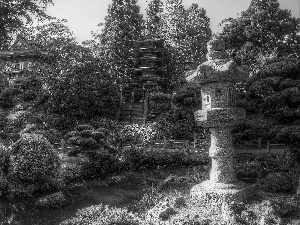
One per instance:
(92, 192)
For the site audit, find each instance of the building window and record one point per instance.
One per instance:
(18, 66)
(207, 98)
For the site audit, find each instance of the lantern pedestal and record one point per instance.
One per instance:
(215, 194)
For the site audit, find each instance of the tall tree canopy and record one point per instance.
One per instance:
(185, 31)
(263, 31)
(15, 14)
(65, 53)
(153, 18)
(123, 24)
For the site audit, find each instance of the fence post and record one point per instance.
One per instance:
(62, 145)
(195, 140)
(259, 142)
(268, 147)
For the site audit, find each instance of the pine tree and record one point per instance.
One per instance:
(123, 24)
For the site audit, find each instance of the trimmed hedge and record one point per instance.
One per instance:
(33, 159)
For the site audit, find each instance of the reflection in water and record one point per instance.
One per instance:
(89, 193)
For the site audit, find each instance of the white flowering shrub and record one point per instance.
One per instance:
(102, 214)
(141, 134)
(33, 159)
(20, 118)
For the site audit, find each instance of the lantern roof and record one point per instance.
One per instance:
(218, 68)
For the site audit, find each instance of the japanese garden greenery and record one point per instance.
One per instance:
(72, 98)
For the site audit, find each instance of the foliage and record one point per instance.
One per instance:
(159, 96)
(31, 88)
(277, 182)
(138, 134)
(135, 158)
(154, 9)
(262, 31)
(87, 138)
(19, 119)
(84, 95)
(123, 24)
(33, 159)
(102, 214)
(188, 98)
(15, 14)
(272, 102)
(9, 97)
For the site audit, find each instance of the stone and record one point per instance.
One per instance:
(179, 202)
(161, 212)
(167, 213)
(276, 182)
(269, 212)
(173, 181)
(55, 200)
(214, 194)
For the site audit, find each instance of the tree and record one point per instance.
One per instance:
(153, 18)
(85, 93)
(273, 103)
(64, 52)
(123, 24)
(15, 14)
(196, 35)
(262, 31)
(185, 32)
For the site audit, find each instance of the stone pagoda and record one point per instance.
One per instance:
(217, 77)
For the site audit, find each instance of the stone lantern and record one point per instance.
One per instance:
(217, 77)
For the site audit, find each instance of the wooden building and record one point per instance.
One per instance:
(21, 56)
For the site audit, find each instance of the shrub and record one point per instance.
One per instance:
(19, 119)
(100, 214)
(84, 127)
(33, 159)
(52, 135)
(277, 182)
(8, 97)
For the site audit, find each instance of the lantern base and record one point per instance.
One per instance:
(215, 194)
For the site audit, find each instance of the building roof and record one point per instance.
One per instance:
(22, 48)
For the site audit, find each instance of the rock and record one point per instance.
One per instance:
(269, 212)
(231, 213)
(173, 181)
(276, 182)
(55, 200)
(179, 202)
(167, 213)
(160, 212)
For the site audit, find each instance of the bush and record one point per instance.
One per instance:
(33, 159)
(276, 182)
(100, 214)
(19, 119)
(86, 137)
(9, 97)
